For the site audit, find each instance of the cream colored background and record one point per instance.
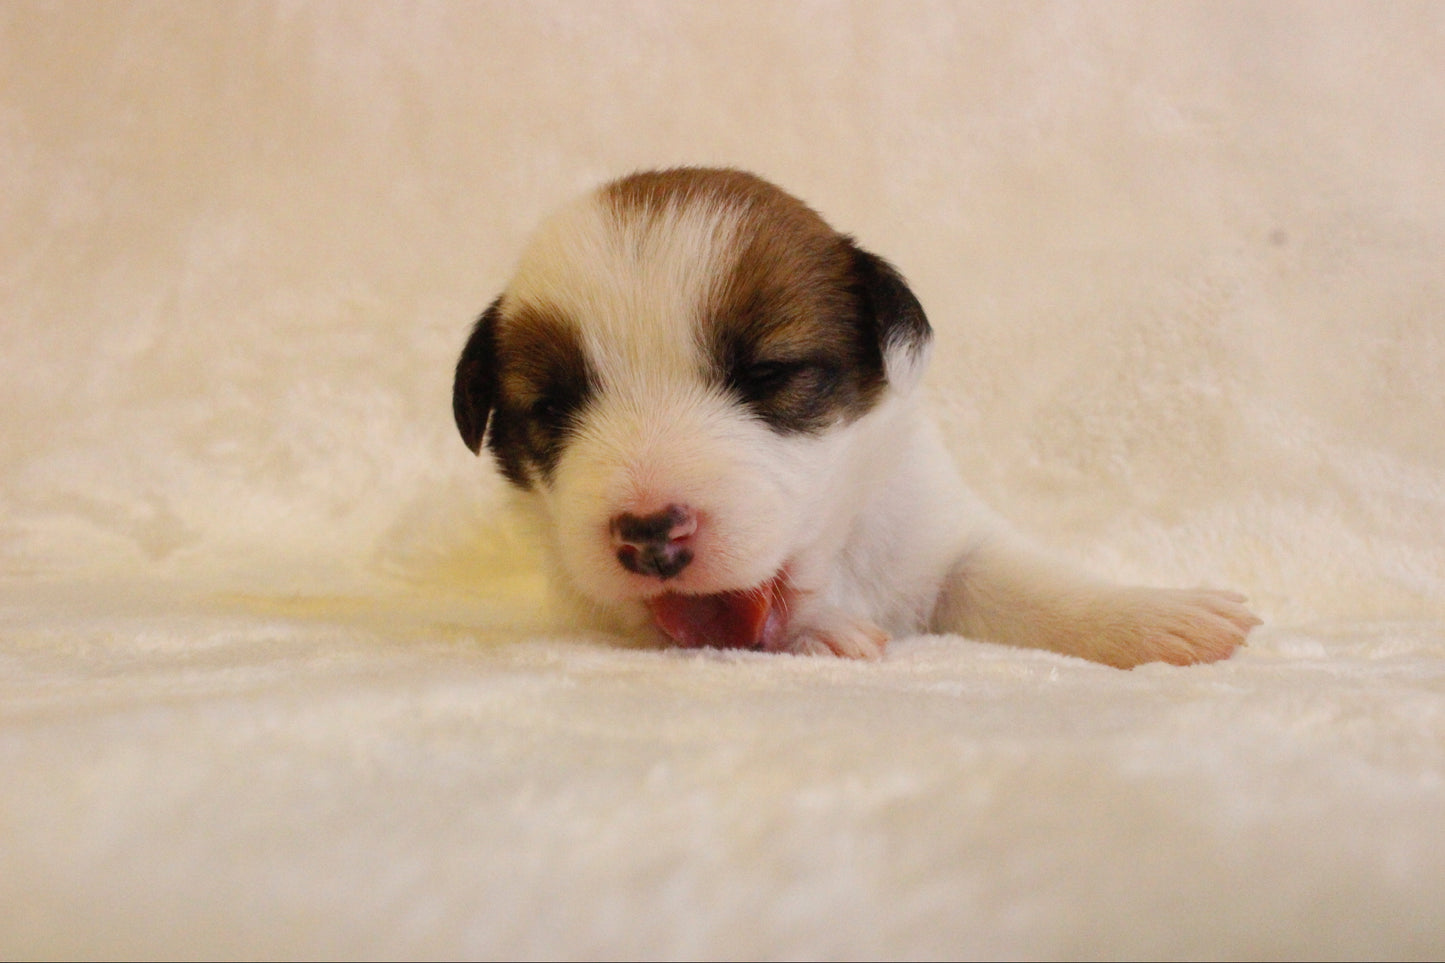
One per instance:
(265, 680)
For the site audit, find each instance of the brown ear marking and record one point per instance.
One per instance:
(475, 384)
(897, 315)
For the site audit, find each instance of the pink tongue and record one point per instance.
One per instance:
(748, 619)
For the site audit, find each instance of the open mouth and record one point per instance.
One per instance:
(754, 618)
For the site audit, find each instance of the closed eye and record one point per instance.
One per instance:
(768, 377)
(761, 380)
(546, 408)
(553, 410)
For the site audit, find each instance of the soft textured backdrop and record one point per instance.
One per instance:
(273, 675)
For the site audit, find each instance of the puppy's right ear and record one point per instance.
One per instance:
(475, 384)
(903, 332)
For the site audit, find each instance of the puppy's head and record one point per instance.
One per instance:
(677, 372)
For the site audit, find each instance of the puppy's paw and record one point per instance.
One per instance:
(1178, 626)
(833, 633)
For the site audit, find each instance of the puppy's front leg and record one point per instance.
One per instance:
(827, 631)
(1003, 590)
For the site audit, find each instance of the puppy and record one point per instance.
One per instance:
(711, 399)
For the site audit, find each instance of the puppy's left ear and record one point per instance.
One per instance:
(475, 384)
(904, 335)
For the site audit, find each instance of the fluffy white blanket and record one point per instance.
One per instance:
(276, 679)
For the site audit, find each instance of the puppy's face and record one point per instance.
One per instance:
(677, 372)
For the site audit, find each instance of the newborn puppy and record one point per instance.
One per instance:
(712, 400)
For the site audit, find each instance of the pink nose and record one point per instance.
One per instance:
(659, 544)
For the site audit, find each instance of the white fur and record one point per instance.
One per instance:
(876, 532)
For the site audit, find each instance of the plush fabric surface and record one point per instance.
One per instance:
(276, 677)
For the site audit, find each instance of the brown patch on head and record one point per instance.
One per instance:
(543, 383)
(799, 325)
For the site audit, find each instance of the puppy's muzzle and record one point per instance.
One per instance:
(659, 545)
